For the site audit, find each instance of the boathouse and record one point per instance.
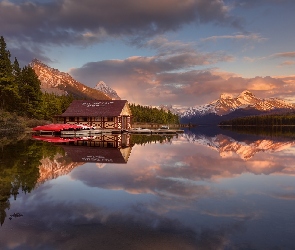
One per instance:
(101, 114)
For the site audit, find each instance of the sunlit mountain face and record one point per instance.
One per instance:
(60, 83)
(204, 189)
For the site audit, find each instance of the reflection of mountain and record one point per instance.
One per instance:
(245, 149)
(53, 167)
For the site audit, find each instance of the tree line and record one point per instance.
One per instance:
(263, 120)
(152, 115)
(20, 90)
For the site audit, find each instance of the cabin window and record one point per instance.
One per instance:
(110, 119)
(97, 119)
(71, 119)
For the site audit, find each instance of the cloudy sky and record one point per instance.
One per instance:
(180, 52)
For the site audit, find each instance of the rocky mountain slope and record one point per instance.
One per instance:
(228, 107)
(54, 81)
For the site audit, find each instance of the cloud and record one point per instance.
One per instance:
(167, 77)
(287, 63)
(255, 3)
(84, 22)
(164, 76)
(290, 54)
(254, 37)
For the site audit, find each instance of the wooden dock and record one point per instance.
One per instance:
(93, 132)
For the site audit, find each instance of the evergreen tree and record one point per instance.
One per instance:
(152, 115)
(7, 88)
(30, 92)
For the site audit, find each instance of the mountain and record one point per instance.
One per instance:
(229, 107)
(101, 86)
(60, 83)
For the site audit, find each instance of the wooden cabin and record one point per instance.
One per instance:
(101, 114)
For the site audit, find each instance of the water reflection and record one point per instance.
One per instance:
(205, 189)
(19, 169)
(230, 144)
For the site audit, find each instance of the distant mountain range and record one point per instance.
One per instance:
(228, 107)
(60, 83)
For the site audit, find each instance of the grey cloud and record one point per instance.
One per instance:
(83, 22)
(290, 54)
(25, 54)
(72, 226)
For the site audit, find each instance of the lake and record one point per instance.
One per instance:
(205, 189)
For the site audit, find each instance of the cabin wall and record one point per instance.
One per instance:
(121, 122)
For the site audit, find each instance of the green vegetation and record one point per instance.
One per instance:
(152, 115)
(263, 120)
(20, 91)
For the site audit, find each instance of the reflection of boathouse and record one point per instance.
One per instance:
(107, 140)
(97, 154)
(104, 148)
(112, 114)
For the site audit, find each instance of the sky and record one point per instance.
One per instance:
(169, 52)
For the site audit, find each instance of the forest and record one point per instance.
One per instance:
(263, 120)
(152, 115)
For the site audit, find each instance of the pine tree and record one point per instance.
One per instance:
(7, 88)
(30, 92)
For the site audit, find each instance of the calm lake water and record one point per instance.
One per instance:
(205, 189)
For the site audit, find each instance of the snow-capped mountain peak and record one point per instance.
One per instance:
(103, 87)
(226, 96)
(228, 103)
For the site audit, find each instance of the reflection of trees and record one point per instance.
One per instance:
(144, 139)
(278, 131)
(19, 170)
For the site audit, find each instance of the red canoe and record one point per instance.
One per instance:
(57, 127)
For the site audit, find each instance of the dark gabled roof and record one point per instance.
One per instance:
(95, 108)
